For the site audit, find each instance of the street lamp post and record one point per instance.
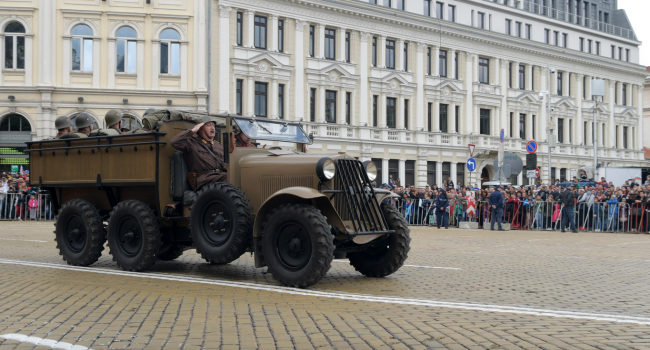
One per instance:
(597, 90)
(549, 129)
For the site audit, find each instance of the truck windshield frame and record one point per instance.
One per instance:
(270, 130)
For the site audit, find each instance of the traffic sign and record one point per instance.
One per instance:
(531, 147)
(502, 135)
(531, 174)
(471, 165)
(471, 150)
(537, 173)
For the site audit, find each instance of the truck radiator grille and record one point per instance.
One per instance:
(271, 184)
(357, 203)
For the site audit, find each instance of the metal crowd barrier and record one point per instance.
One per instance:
(422, 212)
(25, 206)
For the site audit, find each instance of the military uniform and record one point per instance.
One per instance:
(105, 132)
(73, 135)
(198, 159)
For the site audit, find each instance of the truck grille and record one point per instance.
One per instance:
(358, 202)
(271, 184)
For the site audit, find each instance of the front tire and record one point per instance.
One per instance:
(388, 253)
(134, 236)
(297, 245)
(221, 222)
(80, 234)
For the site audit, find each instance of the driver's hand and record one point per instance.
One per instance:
(197, 127)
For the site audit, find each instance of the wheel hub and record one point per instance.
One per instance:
(218, 222)
(217, 225)
(75, 233)
(129, 236)
(293, 246)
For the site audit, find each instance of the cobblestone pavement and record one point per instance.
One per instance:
(459, 290)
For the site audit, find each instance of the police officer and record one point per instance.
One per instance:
(113, 121)
(83, 122)
(63, 126)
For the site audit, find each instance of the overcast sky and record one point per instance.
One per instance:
(638, 12)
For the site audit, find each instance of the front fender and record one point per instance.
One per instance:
(304, 195)
(382, 194)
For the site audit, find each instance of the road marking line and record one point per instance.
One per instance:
(420, 266)
(346, 296)
(43, 342)
(22, 240)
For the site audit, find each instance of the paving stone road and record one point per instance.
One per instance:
(460, 289)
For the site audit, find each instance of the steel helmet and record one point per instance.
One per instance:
(62, 123)
(113, 117)
(149, 111)
(83, 120)
(207, 119)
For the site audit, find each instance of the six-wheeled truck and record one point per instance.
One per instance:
(294, 211)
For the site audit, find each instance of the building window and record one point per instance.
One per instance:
(481, 20)
(460, 174)
(625, 137)
(330, 44)
(508, 25)
(533, 127)
(82, 48)
(378, 163)
(260, 32)
(598, 48)
(532, 78)
(239, 97)
(446, 170)
(375, 106)
(431, 173)
(589, 41)
(330, 106)
(427, 8)
(390, 54)
(170, 52)
(260, 99)
(439, 13)
(620, 53)
(613, 51)
(406, 57)
(547, 36)
(510, 75)
(627, 55)
(443, 63)
(565, 39)
(281, 35)
(15, 46)
(584, 134)
(616, 138)
(485, 121)
(518, 29)
(406, 114)
(443, 117)
(522, 126)
(570, 131)
(512, 125)
(347, 47)
(456, 65)
(391, 112)
(126, 50)
(281, 101)
(562, 174)
(312, 29)
(348, 108)
(556, 38)
(374, 51)
(400, 5)
(528, 30)
(240, 28)
(15, 122)
(560, 130)
(409, 172)
(559, 83)
(312, 105)
(483, 70)
(522, 77)
(624, 96)
(457, 119)
(451, 13)
(430, 116)
(428, 61)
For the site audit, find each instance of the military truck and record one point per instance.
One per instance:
(292, 210)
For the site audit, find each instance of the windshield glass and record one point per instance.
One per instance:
(272, 130)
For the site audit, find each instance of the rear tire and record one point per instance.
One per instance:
(134, 236)
(388, 253)
(297, 245)
(221, 223)
(80, 234)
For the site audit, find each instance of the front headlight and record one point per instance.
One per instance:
(371, 170)
(325, 169)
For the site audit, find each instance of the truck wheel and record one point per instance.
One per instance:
(297, 245)
(134, 236)
(80, 234)
(221, 223)
(388, 254)
(170, 251)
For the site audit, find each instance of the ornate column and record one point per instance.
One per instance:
(340, 117)
(273, 99)
(439, 173)
(140, 74)
(184, 65)
(321, 41)
(451, 62)
(421, 167)
(381, 52)
(453, 170)
(363, 86)
(111, 62)
(399, 55)
(565, 84)
(436, 116)
(250, 96)
(419, 102)
(274, 33)
(498, 79)
(529, 77)
(452, 118)
(200, 67)
(341, 44)
(401, 172)
(639, 110)
(503, 118)
(224, 57)
(381, 110)
(155, 67)
(96, 62)
(612, 107)
(250, 28)
(436, 60)
(515, 75)
(579, 127)
(469, 87)
(47, 43)
(542, 120)
(384, 170)
(399, 113)
(299, 73)
(320, 107)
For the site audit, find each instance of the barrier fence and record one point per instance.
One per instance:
(545, 216)
(19, 206)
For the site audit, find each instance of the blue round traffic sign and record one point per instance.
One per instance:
(502, 135)
(471, 164)
(531, 147)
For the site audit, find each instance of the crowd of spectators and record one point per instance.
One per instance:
(19, 201)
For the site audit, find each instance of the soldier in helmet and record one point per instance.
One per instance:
(113, 120)
(135, 129)
(241, 140)
(63, 126)
(204, 156)
(83, 122)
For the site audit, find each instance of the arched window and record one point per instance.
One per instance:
(131, 123)
(126, 50)
(15, 122)
(170, 52)
(82, 48)
(95, 125)
(14, 46)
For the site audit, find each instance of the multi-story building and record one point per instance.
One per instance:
(410, 83)
(646, 114)
(62, 57)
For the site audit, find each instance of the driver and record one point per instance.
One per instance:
(203, 155)
(241, 140)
